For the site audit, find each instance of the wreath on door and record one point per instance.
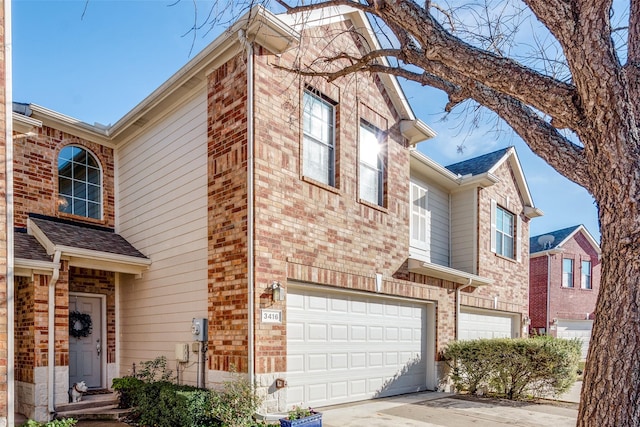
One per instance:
(80, 324)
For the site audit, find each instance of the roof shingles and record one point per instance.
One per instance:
(478, 165)
(77, 236)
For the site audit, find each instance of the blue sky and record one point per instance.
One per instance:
(98, 66)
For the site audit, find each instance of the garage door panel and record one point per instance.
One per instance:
(485, 325)
(368, 347)
(580, 329)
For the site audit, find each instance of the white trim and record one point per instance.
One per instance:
(447, 273)
(494, 214)
(518, 232)
(589, 237)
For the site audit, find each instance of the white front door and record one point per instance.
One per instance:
(85, 353)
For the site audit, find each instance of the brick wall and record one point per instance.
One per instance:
(36, 175)
(574, 303)
(511, 278)
(227, 216)
(102, 283)
(538, 292)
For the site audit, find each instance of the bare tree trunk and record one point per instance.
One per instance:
(611, 393)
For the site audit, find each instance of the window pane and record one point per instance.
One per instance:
(318, 150)
(93, 193)
(80, 190)
(368, 184)
(585, 280)
(66, 186)
(79, 182)
(369, 147)
(65, 204)
(93, 176)
(508, 246)
(93, 210)
(80, 172)
(317, 158)
(80, 207)
(567, 272)
(66, 154)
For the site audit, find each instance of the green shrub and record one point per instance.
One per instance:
(514, 368)
(128, 388)
(235, 404)
(158, 402)
(67, 422)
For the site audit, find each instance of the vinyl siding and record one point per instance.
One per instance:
(463, 230)
(439, 203)
(437, 248)
(162, 207)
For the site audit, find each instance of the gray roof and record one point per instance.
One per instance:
(536, 244)
(478, 165)
(76, 235)
(27, 247)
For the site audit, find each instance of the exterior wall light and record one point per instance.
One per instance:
(277, 291)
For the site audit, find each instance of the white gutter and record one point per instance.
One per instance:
(250, 208)
(52, 334)
(8, 107)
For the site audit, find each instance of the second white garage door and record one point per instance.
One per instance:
(486, 324)
(580, 329)
(344, 347)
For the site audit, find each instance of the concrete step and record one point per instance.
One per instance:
(93, 407)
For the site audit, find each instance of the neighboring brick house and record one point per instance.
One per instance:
(564, 281)
(274, 207)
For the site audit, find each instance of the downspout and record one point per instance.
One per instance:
(250, 208)
(52, 332)
(8, 88)
(458, 289)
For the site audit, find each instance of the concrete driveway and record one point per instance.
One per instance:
(433, 409)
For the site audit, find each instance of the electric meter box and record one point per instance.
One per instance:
(199, 329)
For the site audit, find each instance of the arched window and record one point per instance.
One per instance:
(79, 183)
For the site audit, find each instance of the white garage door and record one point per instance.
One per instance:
(576, 329)
(474, 325)
(344, 347)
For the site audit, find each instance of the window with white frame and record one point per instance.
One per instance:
(371, 165)
(585, 278)
(318, 120)
(567, 273)
(419, 216)
(504, 232)
(79, 183)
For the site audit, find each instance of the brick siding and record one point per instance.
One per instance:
(510, 277)
(36, 175)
